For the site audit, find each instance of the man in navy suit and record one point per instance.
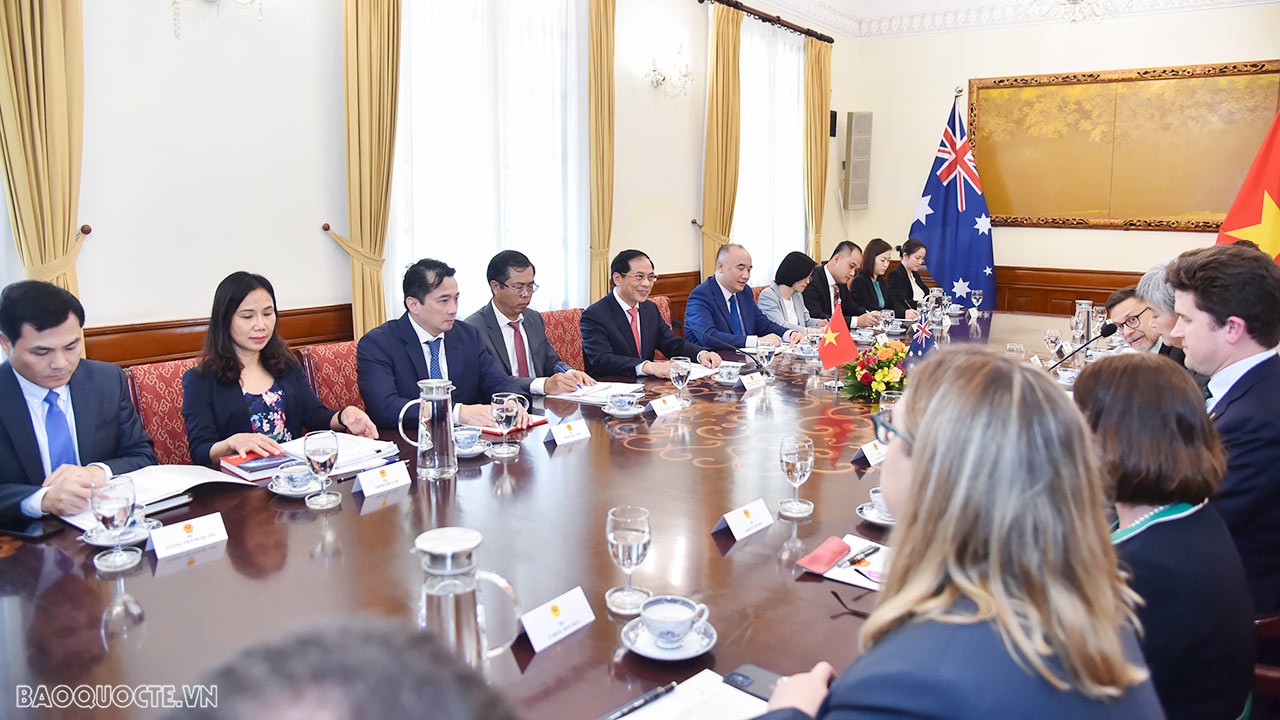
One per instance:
(621, 330)
(66, 424)
(427, 342)
(722, 312)
(1227, 301)
(516, 334)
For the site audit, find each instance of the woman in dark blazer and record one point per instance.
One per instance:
(1164, 461)
(905, 286)
(1002, 598)
(869, 287)
(249, 393)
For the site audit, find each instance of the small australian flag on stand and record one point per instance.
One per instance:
(921, 343)
(952, 219)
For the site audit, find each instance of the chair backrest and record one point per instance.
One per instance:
(755, 291)
(331, 368)
(664, 306)
(157, 395)
(564, 330)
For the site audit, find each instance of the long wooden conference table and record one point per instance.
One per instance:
(542, 515)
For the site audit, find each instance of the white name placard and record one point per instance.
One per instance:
(571, 431)
(189, 535)
(382, 479)
(746, 520)
(552, 621)
(873, 452)
(178, 563)
(754, 380)
(665, 405)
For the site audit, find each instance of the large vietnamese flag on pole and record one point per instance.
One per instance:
(1255, 216)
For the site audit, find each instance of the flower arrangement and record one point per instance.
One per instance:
(875, 370)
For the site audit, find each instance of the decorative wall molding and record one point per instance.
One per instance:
(869, 19)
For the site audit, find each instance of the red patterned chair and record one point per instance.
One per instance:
(664, 308)
(157, 394)
(565, 333)
(332, 370)
(756, 292)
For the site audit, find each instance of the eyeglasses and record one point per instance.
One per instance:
(1133, 322)
(522, 288)
(884, 431)
(641, 277)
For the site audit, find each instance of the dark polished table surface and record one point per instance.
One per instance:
(542, 515)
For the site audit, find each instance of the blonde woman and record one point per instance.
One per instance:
(1003, 597)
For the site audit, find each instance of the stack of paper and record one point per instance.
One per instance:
(599, 393)
(158, 482)
(705, 696)
(355, 453)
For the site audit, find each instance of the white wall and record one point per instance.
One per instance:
(221, 151)
(907, 83)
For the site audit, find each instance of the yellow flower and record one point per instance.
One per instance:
(877, 386)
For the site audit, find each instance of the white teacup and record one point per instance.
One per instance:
(877, 502)
(623, 403)
(669, 618)
(465, 438)
(728, 372)
(294, 475)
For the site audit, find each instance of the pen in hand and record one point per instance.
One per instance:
(640, 702)
(860, 556)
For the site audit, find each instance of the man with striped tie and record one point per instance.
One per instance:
(66, 424)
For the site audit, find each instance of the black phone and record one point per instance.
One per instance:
(28, 528)
(754, 680)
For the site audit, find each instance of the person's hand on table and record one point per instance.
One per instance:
(654, 368)
(356, 421)
(770, 339)
(478, 415)
(804, 691)
(869, 319)
(70, 489)
(913, 314)
(567, 382)
(244, 443)
(707, 358)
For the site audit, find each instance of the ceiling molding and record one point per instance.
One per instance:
(865, 19)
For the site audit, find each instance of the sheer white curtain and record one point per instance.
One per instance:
(491, 146)
(768, 216)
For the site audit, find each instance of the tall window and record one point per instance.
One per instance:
(491, 146)
(768, 215)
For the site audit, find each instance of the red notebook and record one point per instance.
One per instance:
(535, 421)
(253, 466)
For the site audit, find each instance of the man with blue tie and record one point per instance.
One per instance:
(66, 424)
(427, 342)
(722, 311)
(1227, 302)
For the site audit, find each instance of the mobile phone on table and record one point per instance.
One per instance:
(754, 680)
(29, 528)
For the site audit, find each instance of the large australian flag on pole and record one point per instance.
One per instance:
(952, 219)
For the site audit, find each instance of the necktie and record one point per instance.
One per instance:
(835, 300)
(1208, 395)
(433, 371)
(62, 451)
(522, 357)
(635, 327)
(735, 319)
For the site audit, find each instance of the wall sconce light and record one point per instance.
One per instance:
(670, 83)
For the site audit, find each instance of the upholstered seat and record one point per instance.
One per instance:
(565, 334)
(331, 368)
(157, 394)
(755, 291)
(664, 309)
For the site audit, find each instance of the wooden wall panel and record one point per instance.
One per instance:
(175, 339)
(1054, 290)
(677, 287)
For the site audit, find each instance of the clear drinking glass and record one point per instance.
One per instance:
(121, 627)
(680, 378)
(889, 398)
(627, 532)
(505, 408)
(1052, 340)
(976, 297)
(321, 449)
(886, 319)
(113, 506)
(795, 454)
(1017, 350)
(765, 354)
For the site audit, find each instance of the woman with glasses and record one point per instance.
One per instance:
(1003, 598)
(1162, 461)
(783, 301)
(249, 393)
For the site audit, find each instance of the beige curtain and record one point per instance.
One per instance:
(41, 122)
(600, 80)
(720, 168)
(817, 112)
(371, 48)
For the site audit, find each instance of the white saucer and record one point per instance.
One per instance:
(283, 489)
(97, 537)
(480, 446)
(895, 331)
(955, 310)
(638, 640)
(867, 512)
(727, 383)
(623, 415)
(864, 339)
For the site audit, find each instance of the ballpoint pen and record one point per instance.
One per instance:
(640, 702)
(860, 556)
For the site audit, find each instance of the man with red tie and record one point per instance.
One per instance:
(621, 331)
(516, 334)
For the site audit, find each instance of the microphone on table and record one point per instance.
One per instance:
(1108, 329)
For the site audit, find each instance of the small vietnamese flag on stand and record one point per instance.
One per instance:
(1255, 214)
(837, 346)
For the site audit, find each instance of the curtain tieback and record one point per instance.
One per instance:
(364, 257)
(58, 266)
(714, 237)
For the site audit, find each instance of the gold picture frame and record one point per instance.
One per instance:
(1147, 149)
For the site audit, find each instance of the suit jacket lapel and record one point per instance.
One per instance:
(821, 281)
(494, 330)
(1256, 374)
(86, 407)
(16, 419)
(414, 348)
(535, 336)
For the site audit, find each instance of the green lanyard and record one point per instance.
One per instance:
(1168, 512)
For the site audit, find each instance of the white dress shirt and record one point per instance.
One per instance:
(1221, 382)
(36, 408)
(537, 385)
(425, 337)
(751, 339)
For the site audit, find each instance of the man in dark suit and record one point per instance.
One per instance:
(621, 330)
(1227, 300)
(66, 424)
(722, 312)
(819, 297)
(427, 342)
(516, 335)
(1126, 310)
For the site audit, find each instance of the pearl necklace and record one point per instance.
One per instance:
(1146, 517)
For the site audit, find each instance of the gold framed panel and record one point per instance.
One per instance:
(1147, 149)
